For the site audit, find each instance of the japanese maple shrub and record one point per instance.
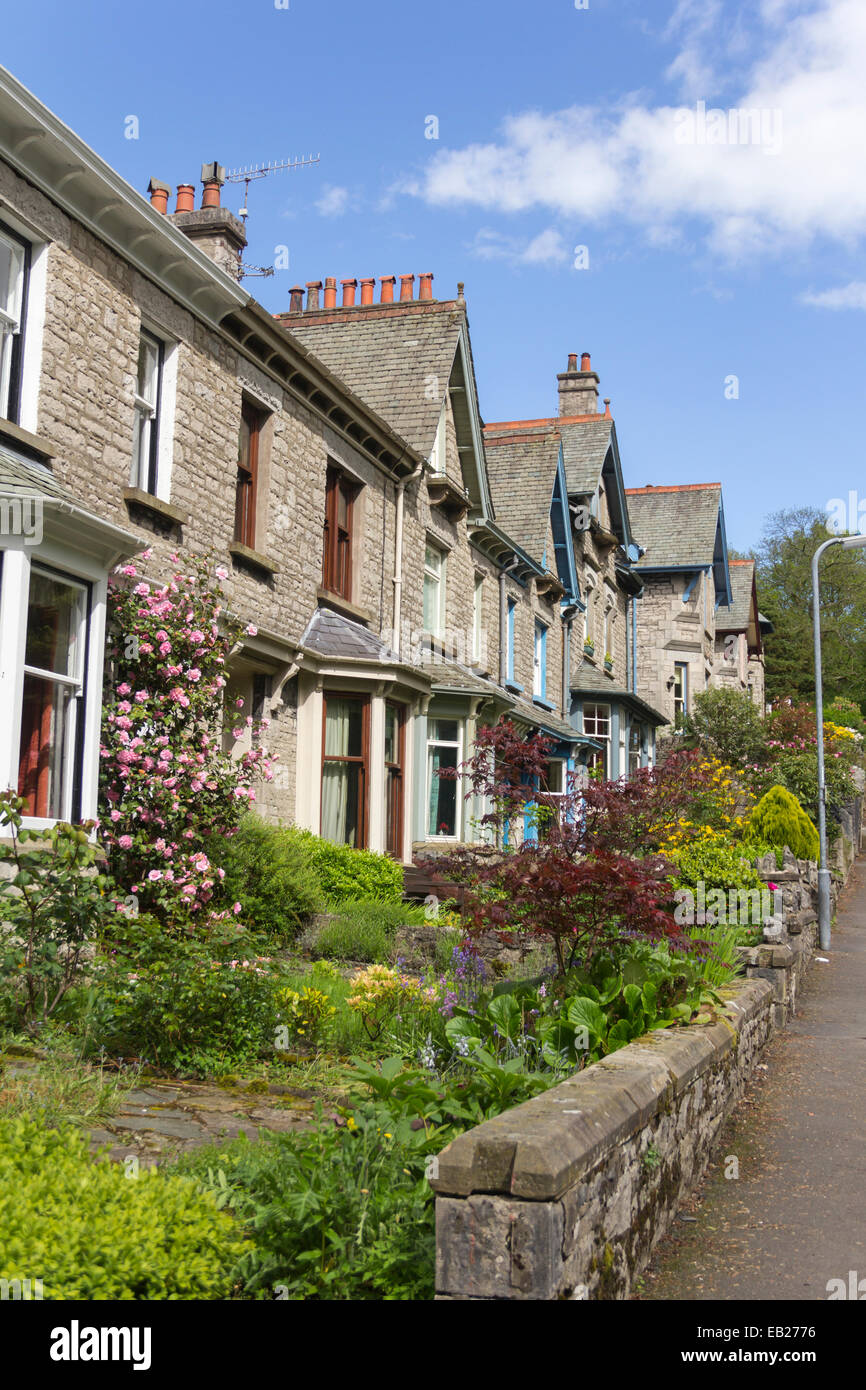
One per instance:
(168, 788)
(569, 887)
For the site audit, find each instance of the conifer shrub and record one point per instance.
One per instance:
(779, 820)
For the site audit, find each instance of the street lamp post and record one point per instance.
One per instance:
(847, 543)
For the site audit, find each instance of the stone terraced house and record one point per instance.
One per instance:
(689, 608)
(403, 571)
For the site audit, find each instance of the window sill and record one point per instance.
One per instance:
(543, 704)
(327, 599)
(31, 443)
(513, 687)
(245, 555)
(137, 497)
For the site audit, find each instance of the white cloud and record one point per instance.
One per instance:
(547, 248)
(851, 296)
(333, 202)
(628, 164)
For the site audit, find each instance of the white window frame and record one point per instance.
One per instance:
(439, 452)
(478, 617)
(458, 803)
(602, 712)
(539, 660)
(681, 702)
(12, 319)
(80, 569)
(437, 575)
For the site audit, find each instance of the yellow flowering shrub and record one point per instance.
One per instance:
(379, 992)
(306, 1011)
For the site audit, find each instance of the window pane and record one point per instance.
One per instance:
(432, 559)
(341, 803)
(442, 817)
(431, 603)
(244, 434)
(344, 728)
(444, 730)
(392, 735)
(147, 369)
(53, 622)
(46, 746)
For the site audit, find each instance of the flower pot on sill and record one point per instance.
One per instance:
(588, 650)
(608, 664)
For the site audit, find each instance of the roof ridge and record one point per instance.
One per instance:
(553, 420)
(651, 488)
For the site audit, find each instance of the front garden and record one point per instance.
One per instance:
(189, 940)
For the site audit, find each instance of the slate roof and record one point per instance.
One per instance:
(451, 676)
(584, 448)
(675, 525)
(19, 477)
(330, 634)
(392, 361)
(522, 473)
(737, 616)
(590, 680)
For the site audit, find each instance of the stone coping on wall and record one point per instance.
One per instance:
(540, 1148)
(565, 1196)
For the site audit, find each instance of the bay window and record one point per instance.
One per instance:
(394, 743)
(596, 725)
(49, 764)
(443, 793)
(345, 767)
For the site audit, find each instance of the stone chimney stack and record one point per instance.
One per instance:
(578, 387)
(217, 231)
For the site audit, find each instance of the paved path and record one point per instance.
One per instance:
(796, 1216)
(158, 1120)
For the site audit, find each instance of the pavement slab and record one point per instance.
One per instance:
(795, 1216)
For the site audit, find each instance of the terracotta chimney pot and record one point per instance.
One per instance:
(607, 414)
(159, 194)
(367, 290)
(387, 283)
(407, 287)
(313, 287)
(425, 286)
(210, 197)
(296, 304)
(330, 292)
(572, 362)
(185, 197)
(585, 365)
(349, 288)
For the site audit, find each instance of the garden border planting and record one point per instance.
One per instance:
(565, 1196)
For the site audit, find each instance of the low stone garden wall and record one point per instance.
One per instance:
(565, 1196)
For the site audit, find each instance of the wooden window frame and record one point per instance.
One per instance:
(362, 760)
(247, 485)
(337, 541)
(395, 786)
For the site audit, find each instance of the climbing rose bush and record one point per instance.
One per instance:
(167, 787)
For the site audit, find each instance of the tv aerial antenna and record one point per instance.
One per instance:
(260, 171)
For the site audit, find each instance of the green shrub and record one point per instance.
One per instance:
(727, 723)
(779, 820)
(362, 931)
(347, 874)
(798, 772)
(166, 999)
(337, 1214)
(270, 871)
(89, 1231)
(847, 713)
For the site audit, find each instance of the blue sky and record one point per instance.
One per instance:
(736, 255)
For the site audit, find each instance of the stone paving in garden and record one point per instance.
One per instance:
(161, 1119)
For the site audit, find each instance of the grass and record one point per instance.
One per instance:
(364, 930)
(56, 1085)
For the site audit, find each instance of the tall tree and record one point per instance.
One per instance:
(784, 575)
